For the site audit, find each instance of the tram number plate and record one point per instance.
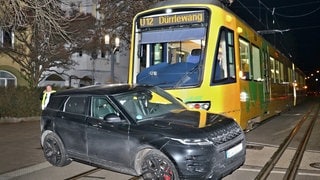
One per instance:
(234, 150)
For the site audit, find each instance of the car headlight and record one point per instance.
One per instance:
(199, 141)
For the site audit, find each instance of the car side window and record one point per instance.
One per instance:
(56, 102)
(76, 104)
(100, 107)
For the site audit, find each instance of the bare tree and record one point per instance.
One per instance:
(46, 36)
(47, 14)
(115, 19)
(118, 16)
(40, 36)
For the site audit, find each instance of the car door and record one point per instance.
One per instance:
(107, 141)
(71, 125)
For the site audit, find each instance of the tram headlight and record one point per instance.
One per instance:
(199, 105)
(244, 97)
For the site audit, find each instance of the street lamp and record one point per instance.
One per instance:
(112, 49)
(94, 56)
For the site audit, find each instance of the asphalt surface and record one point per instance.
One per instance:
(20, 146)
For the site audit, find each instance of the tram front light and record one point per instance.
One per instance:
(199, 105)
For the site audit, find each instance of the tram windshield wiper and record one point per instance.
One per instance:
(186, 77)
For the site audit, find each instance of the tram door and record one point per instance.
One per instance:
(266, 81)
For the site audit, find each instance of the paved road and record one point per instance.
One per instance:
(22, 158)
(19, 145)
(266, 138)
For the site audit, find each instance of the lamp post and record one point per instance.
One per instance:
(112, 49)
(94, 56)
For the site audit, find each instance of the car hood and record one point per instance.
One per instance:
(187, 124)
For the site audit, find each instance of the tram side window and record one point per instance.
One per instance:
(272, 69)
(290, 78)
(244, 60)
(277, 71)
(281, 72)
(256, 63)
(224, 63)
(231, 59)
(266, 70)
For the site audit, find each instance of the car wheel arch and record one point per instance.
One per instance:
(145, 154)
(44, 134)
(142, 153)
(138, 159)
(54, 148)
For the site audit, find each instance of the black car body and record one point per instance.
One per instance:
(139, 130)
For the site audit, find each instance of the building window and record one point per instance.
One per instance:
(6, 38)
(7, 79)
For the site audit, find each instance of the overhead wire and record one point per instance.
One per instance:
(290, 6)
(299, 5)
(274, 22)
(249, 11)
(274, 12)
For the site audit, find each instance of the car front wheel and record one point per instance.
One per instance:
(156, 166)
(54, 150)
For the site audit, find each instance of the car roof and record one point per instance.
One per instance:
(101, 89)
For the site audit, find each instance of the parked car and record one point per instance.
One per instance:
(141, 131)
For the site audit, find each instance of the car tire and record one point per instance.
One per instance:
(54, 151)
(156, 166)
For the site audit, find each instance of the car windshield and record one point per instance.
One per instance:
(146, 103)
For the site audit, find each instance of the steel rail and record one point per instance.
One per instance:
(267, 168)
(86, 173)
(296, 160)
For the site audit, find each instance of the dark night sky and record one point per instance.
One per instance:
(302, 18)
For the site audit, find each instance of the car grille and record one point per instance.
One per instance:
(225, 134)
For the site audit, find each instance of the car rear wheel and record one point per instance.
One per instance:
(156, 166)
(54, 150)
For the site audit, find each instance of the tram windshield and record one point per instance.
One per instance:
(171, 57)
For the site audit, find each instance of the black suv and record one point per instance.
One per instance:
(139, 130)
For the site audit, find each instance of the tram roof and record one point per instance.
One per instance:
(175, 2)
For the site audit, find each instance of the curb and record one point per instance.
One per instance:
(18, 120)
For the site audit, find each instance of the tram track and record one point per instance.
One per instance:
(264, 171)
(291, 172)
(84, 174)
(93, 171)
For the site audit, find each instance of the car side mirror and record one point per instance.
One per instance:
(112, 118)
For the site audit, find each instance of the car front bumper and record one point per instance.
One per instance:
(206, 162)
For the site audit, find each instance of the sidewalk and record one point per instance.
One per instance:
(18, 120)
(20, 145)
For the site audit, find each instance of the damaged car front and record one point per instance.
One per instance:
(202, 145)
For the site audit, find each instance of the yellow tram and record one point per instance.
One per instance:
(206, 56)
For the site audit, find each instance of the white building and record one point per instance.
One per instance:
(90, 70)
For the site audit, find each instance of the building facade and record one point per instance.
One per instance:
(89, 69)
